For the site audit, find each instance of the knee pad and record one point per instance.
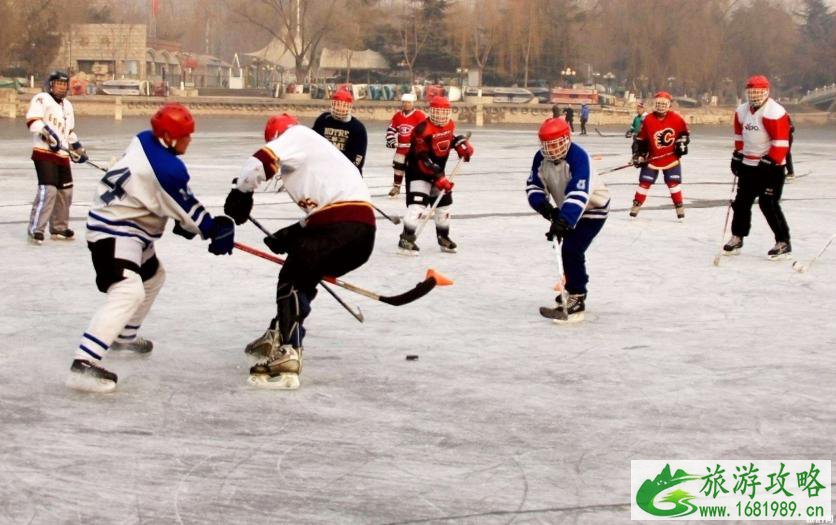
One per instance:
(399, 166)
(413, 216)
(128, 291)
(156, 281)
(442, 217)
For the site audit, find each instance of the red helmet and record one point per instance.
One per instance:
(555, 138)
(757, 81)
(440, 110)
(341, 102)
(662, 102)
(278, 124)
(174, 119)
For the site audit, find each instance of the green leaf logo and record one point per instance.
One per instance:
(681, 499)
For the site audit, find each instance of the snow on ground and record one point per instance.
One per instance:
(504, 418)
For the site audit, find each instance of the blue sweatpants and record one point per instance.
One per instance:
(574, 248)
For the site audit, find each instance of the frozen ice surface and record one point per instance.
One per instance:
(505, 417)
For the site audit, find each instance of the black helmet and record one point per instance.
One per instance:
(55, 75)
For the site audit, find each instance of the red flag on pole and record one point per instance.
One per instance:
(155, 7)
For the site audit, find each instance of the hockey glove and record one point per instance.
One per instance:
(78, 154)
(558, 230)
(391, 137)
(282, 240)
(443, 183)
(238, 205)
(463, 147)
(736, 163)
(51, 138)
(681, 146)
(639, 161)
(222, 235)
(182, 232)
(430, 166)
(546, 210)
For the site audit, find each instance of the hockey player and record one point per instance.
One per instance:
(562, 172)
(761, 143)
(429, 148)
(343, 130)
(51, 120)
(398, 136)
(662, 140)
(636, 125)
(130, 209)
(336, 236)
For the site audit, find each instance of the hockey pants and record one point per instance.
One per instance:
(767, 187)
(53, 198)
(573, 250)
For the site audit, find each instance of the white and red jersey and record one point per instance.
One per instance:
(402, 125)
(660, 134)
(44, 111)
(762, 132)
(322, 181)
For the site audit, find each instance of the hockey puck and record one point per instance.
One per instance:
(411, 357)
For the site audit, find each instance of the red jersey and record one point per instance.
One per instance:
(659, 135)
(429, 142)
(403, 124)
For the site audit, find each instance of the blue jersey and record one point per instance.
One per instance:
(138, 194)
(571, 183)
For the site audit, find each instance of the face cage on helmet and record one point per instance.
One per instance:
(661, 105)
(555, 149)
(757, 96)
(341, 109)
(440, 116)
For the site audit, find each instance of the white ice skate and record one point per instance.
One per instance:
(280, 371)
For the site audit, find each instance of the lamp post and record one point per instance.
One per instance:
(462, 72)
(568, 75)
(609, 78)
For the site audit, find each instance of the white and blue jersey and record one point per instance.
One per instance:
(138, 194)
(572, 184)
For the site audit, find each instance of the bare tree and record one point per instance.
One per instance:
(413, 34)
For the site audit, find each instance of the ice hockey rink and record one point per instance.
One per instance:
(504, 418)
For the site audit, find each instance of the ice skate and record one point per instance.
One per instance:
(406, 244)
(733, 246)
(789, 178)
(280, 371)
(680, 212)
(446, 244)
(87, 376)
(36, 238)
(395, 191)
(66, 235)
(264, 346)
(574, 312)
(634, 211)
(780, 252)
(140, 345)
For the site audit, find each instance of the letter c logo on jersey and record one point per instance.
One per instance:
(664, 137)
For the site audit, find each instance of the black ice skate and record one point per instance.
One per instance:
(140, 345)
(573, 313)
(87, 376)
(280, 371)
(36, 238)
(446, 244)
(680, 212)
(779, 252)
(634, 211)
(66, 235)
(733, 246)
(406, 244)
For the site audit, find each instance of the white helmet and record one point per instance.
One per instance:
(407, 102)
(408, 97)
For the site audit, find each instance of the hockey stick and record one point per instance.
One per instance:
(73, 154)
(393, 220)
(431, 211)
(558, 252)
(358, 314)
(421, 289)
(726, 225)
(651, 159)
(801, 268)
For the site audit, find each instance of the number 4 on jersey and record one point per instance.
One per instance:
(115, 180)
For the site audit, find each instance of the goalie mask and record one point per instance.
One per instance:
(440, 111)
(662, 102)
(555, 139)
(341, 102)
(278, 124)
(757, 91)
